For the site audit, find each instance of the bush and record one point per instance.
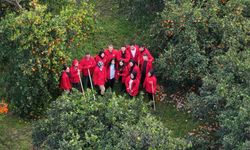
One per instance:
(34, 45)
(77, 122)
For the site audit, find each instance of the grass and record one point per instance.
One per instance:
(15, 133)
(179, 122)
(111, 29)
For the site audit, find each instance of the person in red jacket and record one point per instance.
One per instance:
(123, 54)
(134, 52)
(122, 73)
(132, 66)
(87, 63)
(110, 53)
(75, 75)
(101, 57)
(132, 84)
(146, 66)
(143, 50)
(150, 84)
(100, 77)
(111, 74)
(64, 83)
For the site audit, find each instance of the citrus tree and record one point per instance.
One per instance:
(209, 41)
(110, 122)
(34, 44)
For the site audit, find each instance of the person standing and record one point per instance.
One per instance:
(110, 53)
(134, 52)
(143, 50)
(64, 83)
(150, 84)
(111, 74)
(123, 55)
(87, 65)
(146, 66)
(132, 84)
(132, 67)
(101, 57)
(100, 77)
(75, 74)
(122, 73)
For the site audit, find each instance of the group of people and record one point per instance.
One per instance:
(131, 66)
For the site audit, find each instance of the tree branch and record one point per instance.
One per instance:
(15, 3)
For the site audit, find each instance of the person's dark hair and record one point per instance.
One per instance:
(87, 53)
(119, 66)
(64, 67)
(134, 63)
(135, 74)
(122, 62)
(152, 72)
(111, 61)
(143, 46)
(100, 53)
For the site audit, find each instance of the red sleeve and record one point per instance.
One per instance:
(107, 72)
(155, 84)
(127, 57)
(93, 63)
(95, 75)
(127, 82)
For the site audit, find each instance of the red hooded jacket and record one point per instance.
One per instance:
(65, 82)
(150, 57)
(123, 73)
(87, 64)
(148, 84)
(137, 70)
(110, 55)
(137, 53)
(98, 58)
(120, 56)
(135, 86)
(99, 76)
(149, 66)
(74, 72)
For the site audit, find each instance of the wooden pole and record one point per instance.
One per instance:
(81, 82)
(91, 83)
(153, 96)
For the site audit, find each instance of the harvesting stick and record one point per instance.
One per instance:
(91, 83)
(153, 96)
(81, 82)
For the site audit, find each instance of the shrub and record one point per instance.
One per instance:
(77, 122)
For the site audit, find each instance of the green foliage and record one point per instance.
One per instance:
(209, 40)
(149, 133)
(34, 45)
(76, 122)
(224, 96)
